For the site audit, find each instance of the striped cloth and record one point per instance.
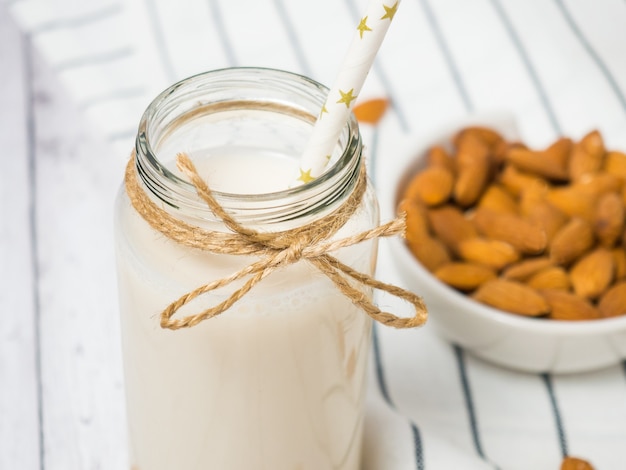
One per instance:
(558, 65)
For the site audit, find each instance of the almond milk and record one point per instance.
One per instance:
(277, 381)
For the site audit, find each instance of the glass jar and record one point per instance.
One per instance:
(277, 380)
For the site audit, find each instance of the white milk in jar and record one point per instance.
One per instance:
(277, 380)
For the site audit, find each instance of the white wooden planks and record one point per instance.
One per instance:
(19, 422)
(61, 392)
(76, 179)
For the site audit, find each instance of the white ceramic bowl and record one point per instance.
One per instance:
(512, 341)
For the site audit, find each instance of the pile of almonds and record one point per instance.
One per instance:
(533, 232)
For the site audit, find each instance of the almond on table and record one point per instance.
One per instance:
(371, 111)
(573, 463)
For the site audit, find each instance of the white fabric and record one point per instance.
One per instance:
(559, 66)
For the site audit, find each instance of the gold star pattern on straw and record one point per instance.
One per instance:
(389, 11)
(367, 37)
(347, 97)
(324, 110)
(305, 176)
(362, 27)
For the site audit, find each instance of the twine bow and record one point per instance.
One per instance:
(275, 250)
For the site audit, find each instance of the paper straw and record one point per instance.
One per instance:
(368, 37)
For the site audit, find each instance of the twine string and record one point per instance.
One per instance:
(309, 242)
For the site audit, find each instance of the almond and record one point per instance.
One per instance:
(473, 170)
(523, 235)
(371, 111)
(579, 164)
(515, 181)
(568, 306)
(417, 228)
(464, 276)
(608, 221)
(512, 297)
(523, 270)
(573, 240)
(615, 164)
(619, 261)
(593, 273)
(553, 277)
(438, 156)
(432, 186)
(450, 225)
(500, 151)
(534, 194)
(572, 202)
(537, 163)
(594, 145)
(572, 463)
(498, 199)
(495, 254)
(547, 217)
(485, 134)
(596, 184)
(432, 253)
(587, 156)
(613, 301)
(560, 151)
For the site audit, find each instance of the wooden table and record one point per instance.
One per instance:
(61, 392)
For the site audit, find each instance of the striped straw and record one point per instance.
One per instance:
(368, 37)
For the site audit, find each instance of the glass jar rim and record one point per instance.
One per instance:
(150, 167)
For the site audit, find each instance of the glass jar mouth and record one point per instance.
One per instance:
(198, 94)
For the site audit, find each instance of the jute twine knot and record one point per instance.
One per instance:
(274, 249)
